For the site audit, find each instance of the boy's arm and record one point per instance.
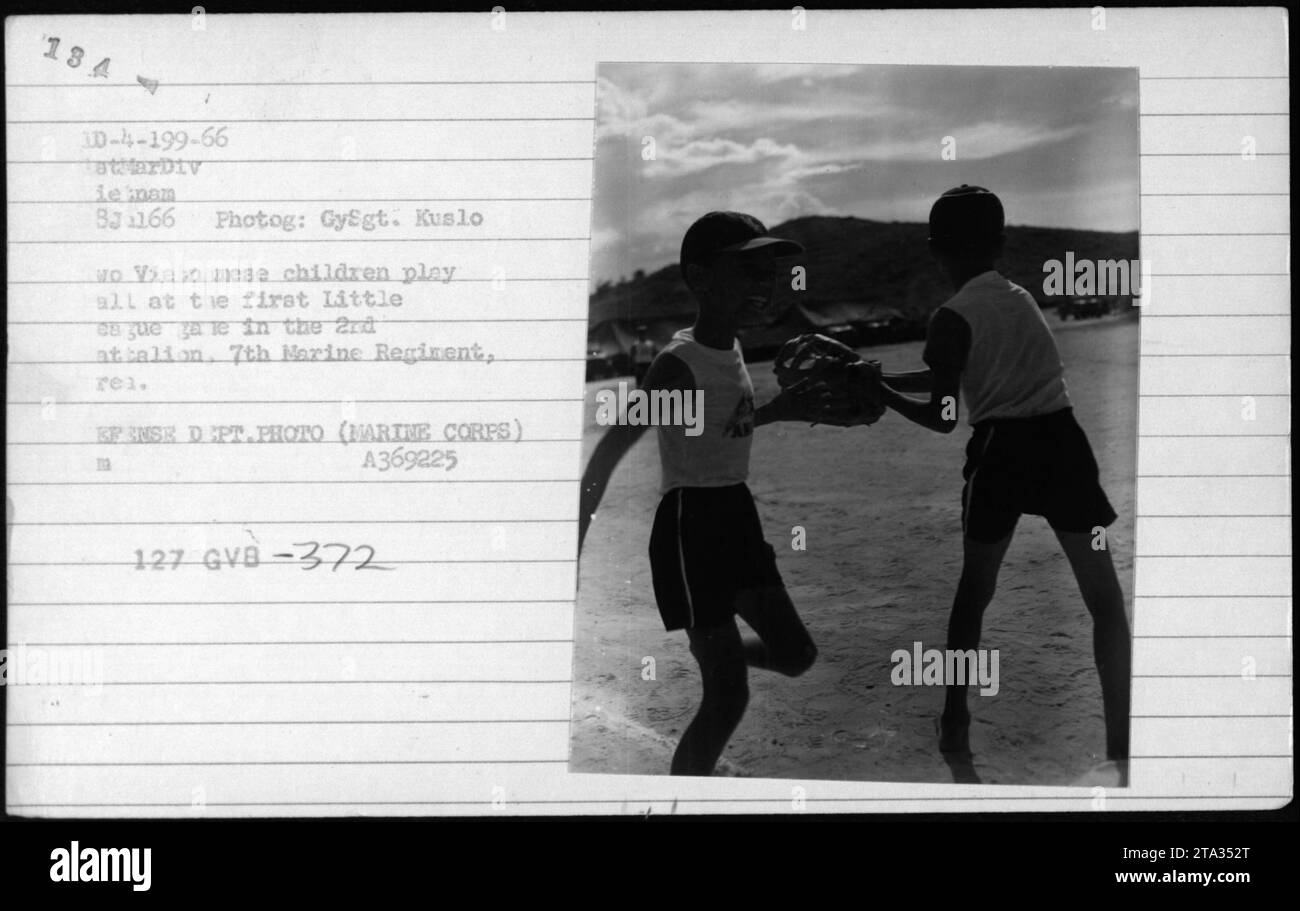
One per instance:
(668, 371)
(938, 413)
(914, 381)
(946, 347)
(784, 407)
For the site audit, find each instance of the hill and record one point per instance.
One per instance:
(858, 270)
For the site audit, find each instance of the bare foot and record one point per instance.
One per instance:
(954, 735)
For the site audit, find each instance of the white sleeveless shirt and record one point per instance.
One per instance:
(1013, 369)
(719, 455)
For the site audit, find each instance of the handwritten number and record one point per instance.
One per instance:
(311, 554)
(365, 564)
(346, 550)
(74, 58)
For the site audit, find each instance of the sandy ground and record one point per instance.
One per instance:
(881, 509)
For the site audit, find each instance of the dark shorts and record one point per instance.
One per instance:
(706, 547)
(1042, 466)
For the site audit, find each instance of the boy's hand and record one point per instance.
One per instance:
(786, 407)
(829, 382)
(811, 360)
(849, 400)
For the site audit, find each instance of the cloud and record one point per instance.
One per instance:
(975, 142)
(701, 154)
(816, 72)
(616, 106)
(786, 141)
(785, 204)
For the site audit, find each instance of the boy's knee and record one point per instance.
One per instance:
(798, 662)
(806, 660)
(727, 704)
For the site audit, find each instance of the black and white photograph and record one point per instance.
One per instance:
(860, 424)
(500, 413)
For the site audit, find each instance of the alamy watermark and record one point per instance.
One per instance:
(75, 864)
(651, 408)
(1089, 277)
(30, 665)
(946, 667)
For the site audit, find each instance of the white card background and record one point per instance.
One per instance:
(442, 686)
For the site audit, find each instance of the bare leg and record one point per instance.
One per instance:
(783, 644)
(979, 580)
(1111, 645)
(721, 656)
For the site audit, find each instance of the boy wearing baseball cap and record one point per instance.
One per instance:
(991, 344)
(708, 558)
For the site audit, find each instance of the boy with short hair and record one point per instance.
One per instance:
(708, 558)
(1027, 454)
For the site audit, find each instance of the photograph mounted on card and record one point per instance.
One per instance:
(498, 431)
(867, 259)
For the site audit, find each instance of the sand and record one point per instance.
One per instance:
(881, 510)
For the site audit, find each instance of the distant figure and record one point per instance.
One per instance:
(643, 355)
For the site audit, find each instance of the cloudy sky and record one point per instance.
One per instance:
(1058, 145)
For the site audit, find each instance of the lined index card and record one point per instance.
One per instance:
(297, 323)
(295, 371)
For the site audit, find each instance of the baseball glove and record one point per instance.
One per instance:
(826, 381)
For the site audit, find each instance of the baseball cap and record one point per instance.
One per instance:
(967, 217)
(730, 232)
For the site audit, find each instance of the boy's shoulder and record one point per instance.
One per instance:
(669, 370)
(686, 347)
(990, 288)
(677, 350)
(679, 338)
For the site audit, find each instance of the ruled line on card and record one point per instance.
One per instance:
(212, 161)
(262, 603)
(273, 281)
(224, 202)
(296, 83)
(502, 119)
